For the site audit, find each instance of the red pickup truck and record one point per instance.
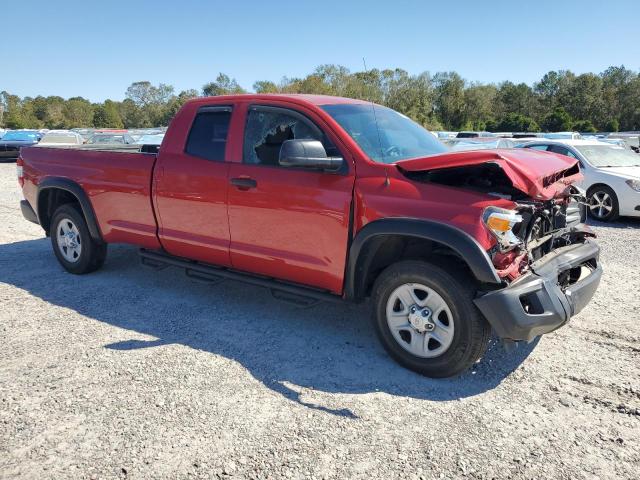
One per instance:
(332, 198)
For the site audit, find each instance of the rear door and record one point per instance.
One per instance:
(191, 186)
(286, 222)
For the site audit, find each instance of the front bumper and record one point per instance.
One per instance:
(536, 303)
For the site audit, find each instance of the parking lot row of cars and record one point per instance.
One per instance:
(12, 140)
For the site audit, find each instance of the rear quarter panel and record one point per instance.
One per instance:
(118, 185)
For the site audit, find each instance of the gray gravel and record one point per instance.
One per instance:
(140, 374)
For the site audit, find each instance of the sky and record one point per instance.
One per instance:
(97, 49)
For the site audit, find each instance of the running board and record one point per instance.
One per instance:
(211, 274)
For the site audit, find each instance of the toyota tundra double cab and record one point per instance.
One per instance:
(331, 198)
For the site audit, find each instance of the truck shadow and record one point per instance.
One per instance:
(327, 348)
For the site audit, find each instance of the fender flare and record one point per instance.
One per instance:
(364, 247)
(77, 191)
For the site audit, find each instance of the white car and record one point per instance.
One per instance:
(61, 138)
(611, 175)
(562, 136)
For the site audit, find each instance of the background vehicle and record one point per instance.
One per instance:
(562, 135)
(110, 139)
(61, 138)
(474, 134)
(14, 140)
(152, 139)
(481, 144)
(331, 198)
(611, 175)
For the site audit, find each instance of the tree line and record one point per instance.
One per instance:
(559, 101)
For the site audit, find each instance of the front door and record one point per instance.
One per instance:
(286, 222)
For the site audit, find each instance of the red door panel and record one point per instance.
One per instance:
(191, 204)
(287, 223)
(293, 225)
(191, 184)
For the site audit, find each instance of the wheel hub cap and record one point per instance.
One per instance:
(420, 319)
(69, 241)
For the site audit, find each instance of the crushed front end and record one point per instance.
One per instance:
(543, 252)
(550, 274)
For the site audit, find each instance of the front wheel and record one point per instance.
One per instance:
(426, 319)
(72, 244)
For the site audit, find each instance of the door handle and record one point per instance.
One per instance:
(244, 183)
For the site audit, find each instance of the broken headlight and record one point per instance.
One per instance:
(500, 223)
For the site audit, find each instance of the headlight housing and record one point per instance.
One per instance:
(500, 223)
(635, 184)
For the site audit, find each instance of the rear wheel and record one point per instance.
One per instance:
(72, 244)
(426, 319)
(603, 203)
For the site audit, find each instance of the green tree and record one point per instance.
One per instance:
(516, 122)
(77, 113)
(223, 85)
(176, 103)
(584, 126)
(265, 86)
(106, 115)
(557, 121)
(132, 115)
(480, 105)
(612, 125)
(515, 98)
(449, 99)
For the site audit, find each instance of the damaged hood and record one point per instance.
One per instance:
(541, 175)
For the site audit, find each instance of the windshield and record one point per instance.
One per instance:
(609, 156)
(386, 136)
(20, 136)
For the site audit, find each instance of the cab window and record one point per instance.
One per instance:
(208, 135)
(267, 128)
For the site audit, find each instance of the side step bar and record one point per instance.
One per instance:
(209, 273)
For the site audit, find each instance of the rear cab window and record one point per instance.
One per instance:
(208, 135)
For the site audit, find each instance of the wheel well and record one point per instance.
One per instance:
(598, 185)
(382, 251)
(49, 200)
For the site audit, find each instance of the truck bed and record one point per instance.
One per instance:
(118, 181)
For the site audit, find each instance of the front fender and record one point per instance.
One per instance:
(363, 249)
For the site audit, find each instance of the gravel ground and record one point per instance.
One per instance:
(130, 373)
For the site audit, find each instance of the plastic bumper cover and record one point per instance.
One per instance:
(536, 303)
(27, 212)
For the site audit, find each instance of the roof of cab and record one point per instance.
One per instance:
(298, 97)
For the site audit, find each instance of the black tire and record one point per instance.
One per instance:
(92, 254)
(593, 194)
(471, 334)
